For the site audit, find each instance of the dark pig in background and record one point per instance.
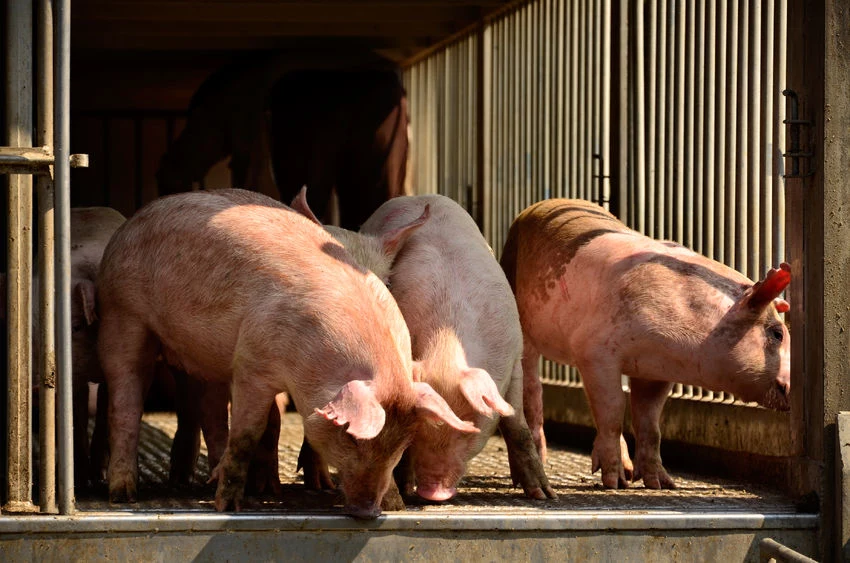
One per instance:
(231, 289)
(597, 295)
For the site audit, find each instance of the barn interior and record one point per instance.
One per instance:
(135, 66)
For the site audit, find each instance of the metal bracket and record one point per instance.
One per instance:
(35, 160)
(796, 152)
(602, 199)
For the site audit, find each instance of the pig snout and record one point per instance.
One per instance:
(368, 511)
(436, 492)
(778, 396)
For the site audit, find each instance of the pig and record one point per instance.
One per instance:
(233, 290)
(465, 332)
(597, 295)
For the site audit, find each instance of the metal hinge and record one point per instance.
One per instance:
(796, 152)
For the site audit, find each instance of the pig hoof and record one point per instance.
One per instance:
(122, 492)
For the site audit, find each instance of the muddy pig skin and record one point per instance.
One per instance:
(595, 294)
(465, 331)
(259, 296)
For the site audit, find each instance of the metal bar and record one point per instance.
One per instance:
(690, 136)
(573, 73)
(742, 232)
(34, 160)
(484, 91)
(548, 49)
(46, 324)
(62, 132)
(779, 101)
(771, 550)
(622, 118)
(754, 199)
(768, 220)
(640, 136)
(652, 134)
(676, 126)
(729, 230)
(607, 53)
(19, 259)
(719, 188)
(662, 151)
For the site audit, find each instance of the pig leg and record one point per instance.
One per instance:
(186, 445)
(252, 398)
(213, 398)
(628, 466)
(532, 397)
(80, 403)
(98, 450)
(263, 472)
(526, 468)
(316, 474)
(647, 399)
(607, 404)
(127, 351)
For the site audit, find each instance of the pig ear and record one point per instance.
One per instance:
(481, 392)
(356, 406)
(392, 241)
(86, 291)
(765, 291)
(299, 204)
(435, 409)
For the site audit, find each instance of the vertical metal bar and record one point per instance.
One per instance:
(484, 92)
(622, 118)
(701, 106)
(755, 171)
(547, 47)
(62, 98)
(593, 69)
(605, 125)
(742, 162)
(688, 137)
(651, 143)
(717, 223)
(769, 143)
(640, 136)
(526, 97)
(47, 282)
(19, 259)
(661, 97)
(676, 126)
(573, 73)
(731, 171)
(778, 178)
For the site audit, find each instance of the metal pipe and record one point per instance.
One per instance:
(675, 119)
(755, 202)
(719, 185)
(19, 260)
(547, 99)
(640, 125)
(741, 95)
(731, 171)
(558, 188)
(651, 120)
(47, 354)
(778, 177)
(62, 132)
(661, 148)
(573, 72)
(702, 131)
(769, 143)
(484, 91)
(688, 137)
(605, 86)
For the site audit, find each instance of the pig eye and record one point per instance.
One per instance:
(776, 333)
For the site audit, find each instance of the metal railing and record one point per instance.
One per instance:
(698, 146)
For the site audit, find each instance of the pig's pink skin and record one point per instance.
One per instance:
(461, 315)
(597, 295)
(235, 289)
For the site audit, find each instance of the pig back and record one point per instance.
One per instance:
(446, 276)
(197, 268)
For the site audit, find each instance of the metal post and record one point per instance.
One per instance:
(47, 353)
(19, 264)
(62, 131)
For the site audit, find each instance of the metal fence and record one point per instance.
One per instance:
(696, 122)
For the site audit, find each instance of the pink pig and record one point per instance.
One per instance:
(232, 289)
(465, 330)
(595, 294)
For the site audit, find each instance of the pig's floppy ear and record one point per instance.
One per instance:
(767, 290)
(299, 204)
(481, 392)
(435, 409)
(86, 291)
(356, 405)
(392, 241)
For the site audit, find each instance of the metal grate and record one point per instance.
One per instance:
(487, 485)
